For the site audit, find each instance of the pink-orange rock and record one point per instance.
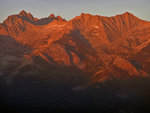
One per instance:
(97, 45)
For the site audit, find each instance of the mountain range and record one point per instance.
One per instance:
(102, 47)
(85, 50)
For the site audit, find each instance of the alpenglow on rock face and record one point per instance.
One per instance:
(93, 46)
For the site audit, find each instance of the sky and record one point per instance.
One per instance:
(68, 9)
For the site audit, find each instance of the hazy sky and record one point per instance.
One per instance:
(68, 9)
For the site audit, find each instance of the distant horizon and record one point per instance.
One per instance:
(68, 9)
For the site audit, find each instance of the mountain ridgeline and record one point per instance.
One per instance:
(53, 58)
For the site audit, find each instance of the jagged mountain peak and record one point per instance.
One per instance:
(26, 15)
(52, 16)
(59, 18)
(23, 12)
(125, 14)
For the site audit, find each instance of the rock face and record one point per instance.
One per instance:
(99, 47)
